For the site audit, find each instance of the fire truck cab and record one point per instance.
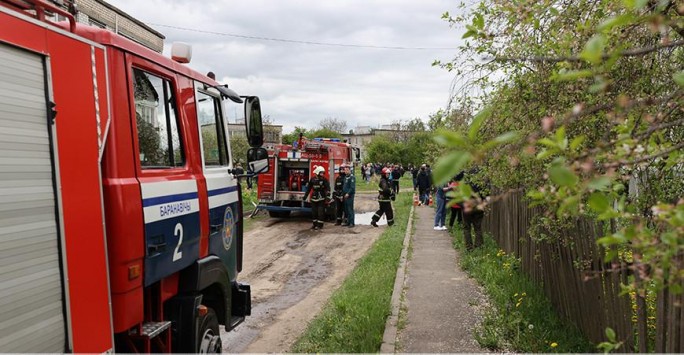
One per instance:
(281, 190)
(121, 214)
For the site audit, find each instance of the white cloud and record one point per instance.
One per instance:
(301, 84)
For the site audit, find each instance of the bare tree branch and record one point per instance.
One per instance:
(627, 53)
(645, 158)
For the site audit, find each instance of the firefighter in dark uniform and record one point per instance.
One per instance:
(319, 188)
(385, 197)
(349, 190)
(339, 197)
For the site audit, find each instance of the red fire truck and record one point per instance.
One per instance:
(120, 212)
(281, 190)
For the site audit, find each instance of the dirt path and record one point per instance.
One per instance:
(293, 271)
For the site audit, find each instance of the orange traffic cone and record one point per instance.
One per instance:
(430, 201)
(415, 199)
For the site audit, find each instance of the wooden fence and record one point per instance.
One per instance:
(581, 287)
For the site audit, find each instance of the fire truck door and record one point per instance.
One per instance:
(31, 310)
(169, 190)
(222, 190)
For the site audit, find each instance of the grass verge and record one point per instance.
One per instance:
(521, 318)
(353, 320)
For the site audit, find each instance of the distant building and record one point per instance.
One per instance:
(272, 133)
(101, 14)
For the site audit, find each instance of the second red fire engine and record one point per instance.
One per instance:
(281, 189)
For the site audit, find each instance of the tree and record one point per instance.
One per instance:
(333, 124)
(325, 133)
(417, 149)
(238, 149)
(591, 96)
(381, 149)
(414, 125)
(294, 135)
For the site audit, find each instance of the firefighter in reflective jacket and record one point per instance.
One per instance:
(339, 198)
(319, 188)
(385, 197)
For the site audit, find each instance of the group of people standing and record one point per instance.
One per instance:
(318, 190)
(467, 214)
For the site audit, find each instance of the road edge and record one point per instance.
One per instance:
(389, 338)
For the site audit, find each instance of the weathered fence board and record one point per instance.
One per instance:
(579, 284)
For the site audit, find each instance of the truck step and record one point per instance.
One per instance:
(153, 329)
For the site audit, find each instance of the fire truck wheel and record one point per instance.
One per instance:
(208, 334)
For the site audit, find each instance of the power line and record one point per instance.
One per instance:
(302, 42)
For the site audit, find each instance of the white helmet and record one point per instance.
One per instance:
(318, 170)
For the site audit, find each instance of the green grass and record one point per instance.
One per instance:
(249, 198)
(353, 320)
(521, 318)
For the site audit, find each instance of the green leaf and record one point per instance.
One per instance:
(611, 254)
(635, 4)
(569, 204)
(669, 238)
(561, 139)
(593, 50)
(546, 153)
(562, 176)
(507, 137)
(608, 241)
(536, 194)
(577, 142)
(477, 123)
(449, 165)
(600, 183)
(616, 21)
(478, 21)
(502, 139)
(465, 190)
(469, 33)
(598, 202)
(547, 142)
(598, 87)
(452, 139)
(570, 75)
(610, 334)
(679, 78)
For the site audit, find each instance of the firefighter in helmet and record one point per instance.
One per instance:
(385, 197)
(318, 190)
(339, 197)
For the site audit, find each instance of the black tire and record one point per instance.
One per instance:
(208, 337)
(279, 214)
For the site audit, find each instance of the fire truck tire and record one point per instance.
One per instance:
(208, 334)
(279, 214)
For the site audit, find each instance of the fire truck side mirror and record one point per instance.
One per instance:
(253, 123)
(257, 160)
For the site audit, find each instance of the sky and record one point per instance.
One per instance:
(300, 84)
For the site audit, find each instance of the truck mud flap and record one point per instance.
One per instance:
(241, 304)
(242, 300)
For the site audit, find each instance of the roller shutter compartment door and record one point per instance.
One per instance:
(31, 310)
